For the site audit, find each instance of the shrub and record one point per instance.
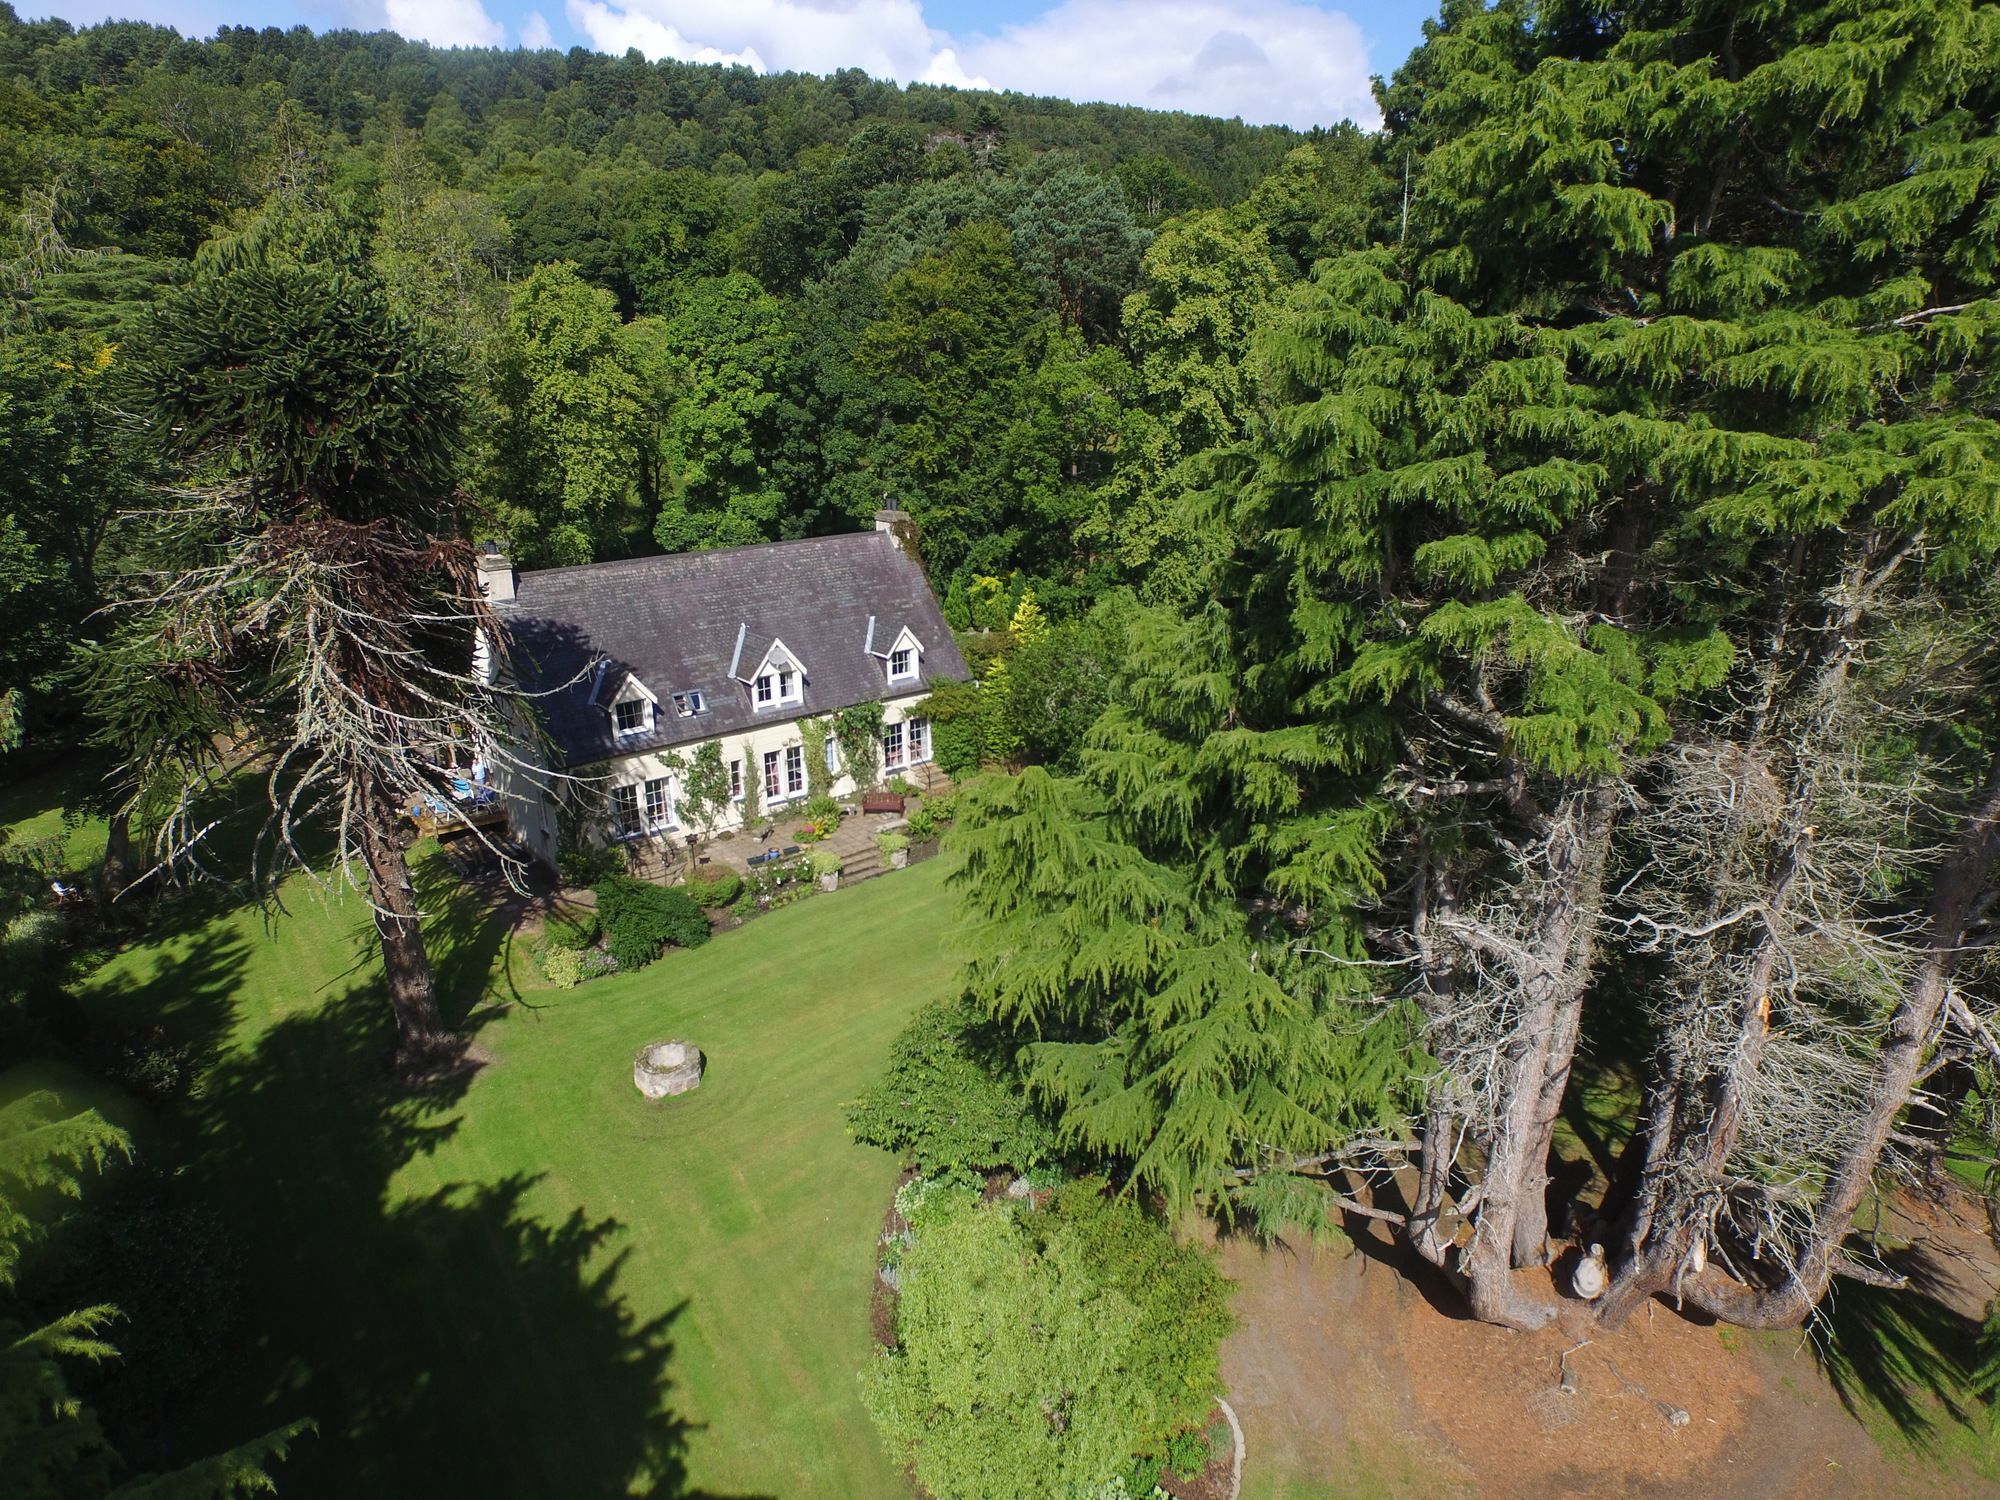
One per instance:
(562, 967)
(572, 933)
(720, 891)
(30, 940)
(1039, 1354)
(950, 1100)
(929, 816)
(892, 843)
(640, 918)
(901, 786)
(585, 864)
(823, 862)
(157, 1066)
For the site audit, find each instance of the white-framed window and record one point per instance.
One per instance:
(736, 781)
(795, 770)
(902, 664)
(688, 704)
(765, 690)
(893, 748)
(659, 804)
(628, 715)
(625, 810)
(773, 788)
(832, 756)
(920, 740)
(788, 685)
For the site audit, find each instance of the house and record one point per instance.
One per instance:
(636, 661)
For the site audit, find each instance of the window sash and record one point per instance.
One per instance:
(771, 774)
(788, 686)
(736, 781)
(892, 747)
(659, 803)
(637, 716)
(920, 740)
(899, 664)
(764, 689)
(795, 769)
(625, 809)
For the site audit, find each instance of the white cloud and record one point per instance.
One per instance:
(535, 34)
(1270, 61)
(444, 23)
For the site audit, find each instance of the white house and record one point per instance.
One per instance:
(652, 656)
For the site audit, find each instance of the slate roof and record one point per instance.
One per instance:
(673, 623)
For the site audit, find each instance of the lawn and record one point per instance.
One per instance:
(532, 1281)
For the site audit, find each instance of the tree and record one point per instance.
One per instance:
(313, 585)
(50, 1442)
(1074, 234)
(727, 363)
(1206, 283)
(569, 420)
(66, 472)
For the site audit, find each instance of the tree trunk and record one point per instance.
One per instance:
(115, 872)
(421, 1034)
(1433, 1184)
(1513, 1208)
(1960, 883)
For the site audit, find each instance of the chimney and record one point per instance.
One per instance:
(900, 525)
(496, 574)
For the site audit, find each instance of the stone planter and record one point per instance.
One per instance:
(663, 1069)
(830, 882)
(899, 859)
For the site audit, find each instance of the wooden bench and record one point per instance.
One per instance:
(882, 802)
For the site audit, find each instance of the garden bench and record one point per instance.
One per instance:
(882, 802)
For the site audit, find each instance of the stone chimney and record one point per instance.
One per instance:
(496, 574)
(901, 527)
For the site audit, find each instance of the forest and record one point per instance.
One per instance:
(1511, 595)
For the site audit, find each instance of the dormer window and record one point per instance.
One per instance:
(629, 715)
(778, 685)
(904, 659)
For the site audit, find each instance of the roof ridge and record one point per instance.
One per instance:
(658, 557)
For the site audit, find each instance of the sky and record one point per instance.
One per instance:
(1289, 62)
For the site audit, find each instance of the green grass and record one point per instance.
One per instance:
(534, 1282)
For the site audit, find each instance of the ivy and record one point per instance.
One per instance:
(858, 731)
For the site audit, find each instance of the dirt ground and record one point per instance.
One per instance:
(1358, 1374)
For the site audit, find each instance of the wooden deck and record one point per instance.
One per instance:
(430, 825)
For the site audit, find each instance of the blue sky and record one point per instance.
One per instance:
(1295, 62)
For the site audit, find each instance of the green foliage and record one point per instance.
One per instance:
(814, 732)
(958, 737)
(1160, 1023)
(1038, 1353)
(822, 863)
(641, 918)
(51, 1444)
(929, 816)
(569, 411)
(753, 784)
(574, 933)
(892, 843)
(704, 791)
(857, 729)
(719, 890)
(950, 1100)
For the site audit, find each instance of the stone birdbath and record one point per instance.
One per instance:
(663, 1069)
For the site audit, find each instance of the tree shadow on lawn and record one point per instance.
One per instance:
(1901, 1351)
(450, 1342)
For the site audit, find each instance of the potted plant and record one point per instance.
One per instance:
(895, 849)
(826, 869)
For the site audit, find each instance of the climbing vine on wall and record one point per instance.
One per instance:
(858, 732)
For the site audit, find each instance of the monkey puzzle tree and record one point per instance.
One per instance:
(311, 585)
